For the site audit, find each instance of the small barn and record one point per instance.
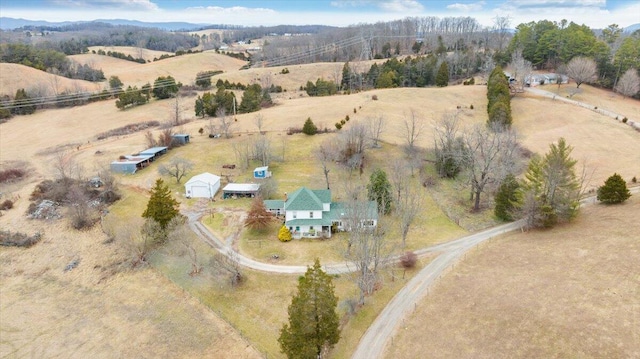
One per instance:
(154, 152)
(130, 164)
(261, 172)
(239, 190)
(204, 185)
(181, 138)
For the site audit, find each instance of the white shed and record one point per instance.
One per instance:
(204, 185)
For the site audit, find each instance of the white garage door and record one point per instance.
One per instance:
(200, 192)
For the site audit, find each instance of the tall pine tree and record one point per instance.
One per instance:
(313, 321)
(442, 78)
(379, 190)
(162, 207)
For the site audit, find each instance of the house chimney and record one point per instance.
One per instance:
(285, 196)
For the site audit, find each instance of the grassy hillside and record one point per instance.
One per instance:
(572, 291)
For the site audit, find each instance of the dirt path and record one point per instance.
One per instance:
(635, 124)
(376, 337)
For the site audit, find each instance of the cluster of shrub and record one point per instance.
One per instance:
(236, 55)
(254, 98)
(163, 88)
(120, 55)
(177, 53)
(499, 97)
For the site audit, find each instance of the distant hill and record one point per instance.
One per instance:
(631, 28)
(8, 23)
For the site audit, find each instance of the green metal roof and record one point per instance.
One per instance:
(339, 210)
(274, 203)
(309, 222)
(305, 199)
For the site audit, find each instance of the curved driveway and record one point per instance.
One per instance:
(374, 340)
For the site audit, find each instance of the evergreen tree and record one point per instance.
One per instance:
(346, 77)
(309, 127)
(23, 104)
(162, 207)
(442, 78)
(551, 188)
(506, 198)
(258, 218)
(313, 321)
(614, 190)
(251, 99)
(284, 235)
(379, 190)
(165, 87)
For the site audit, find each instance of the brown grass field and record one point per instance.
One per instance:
(569, 292)
(144, 301)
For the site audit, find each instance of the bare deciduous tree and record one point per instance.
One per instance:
(225, 122)
(412, 130)
(376, 128)
(176, 111)
(521, 68)
(258, 120)
(150, 141)
(228, 263)
(177, 168)
(82, 215)
(448, 146)
(241, 150)
(367, 248)
(262, 150)
(268, 188)
(501, 29)
(66, 167)
(407, 209)
(491, 155)
(325, 155)
(629, 83)
(350, 146)
(180, 232)
(399, 178)
(582, 69)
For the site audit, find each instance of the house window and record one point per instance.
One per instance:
(295, 215)
(310, 214)
(311, 228)
(297, 228)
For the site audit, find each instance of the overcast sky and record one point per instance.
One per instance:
(593, 13)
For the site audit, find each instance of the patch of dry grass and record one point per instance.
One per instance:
(101, 308)
(572, 291)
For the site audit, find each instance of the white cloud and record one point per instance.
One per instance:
(108, 4)
(519, 4)
(401, 5)
(386, 5)
(467, 7)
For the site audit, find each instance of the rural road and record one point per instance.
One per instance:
(375, 339)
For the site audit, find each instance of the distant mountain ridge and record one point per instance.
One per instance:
(8, 23)
(632, 28)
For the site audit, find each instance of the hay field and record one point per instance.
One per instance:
(183, 68)
(14, 77)
(100, 309)
(569, 292)
(135, 52)
(601, 143)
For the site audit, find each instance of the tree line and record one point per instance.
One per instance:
(75, 39)
(552, 45)
(48, 60)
